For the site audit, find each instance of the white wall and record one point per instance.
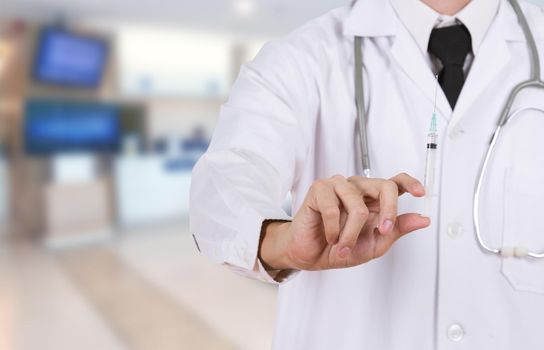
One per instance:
(171, 62)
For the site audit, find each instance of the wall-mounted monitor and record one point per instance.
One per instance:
(69, 59)
(56, 126)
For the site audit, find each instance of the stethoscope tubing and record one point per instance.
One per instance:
(535, 81)
(479, 188)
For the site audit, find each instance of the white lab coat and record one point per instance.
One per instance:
(291, 119)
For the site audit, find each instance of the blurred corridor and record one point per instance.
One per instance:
(142, 292)
(104, 109)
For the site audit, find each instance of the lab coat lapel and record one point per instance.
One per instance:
(413, 62)
(491, 59)
(376, 18)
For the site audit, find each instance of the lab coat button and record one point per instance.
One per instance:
(455, 230)
(456, 332)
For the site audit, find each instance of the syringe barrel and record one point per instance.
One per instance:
(432, 138)
(430, 166)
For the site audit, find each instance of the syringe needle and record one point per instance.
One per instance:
(435, 93)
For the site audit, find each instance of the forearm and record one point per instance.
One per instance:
(273, 249)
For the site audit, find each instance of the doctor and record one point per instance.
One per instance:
(352, 274)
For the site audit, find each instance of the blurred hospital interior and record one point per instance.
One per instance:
(105, 106)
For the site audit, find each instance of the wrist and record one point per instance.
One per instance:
(273, 250)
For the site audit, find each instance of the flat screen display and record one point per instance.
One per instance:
(66, 127)
(66, 58)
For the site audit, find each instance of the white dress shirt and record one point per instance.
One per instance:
(420, 19)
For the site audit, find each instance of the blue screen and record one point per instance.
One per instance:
(60, 127)
(69, 59)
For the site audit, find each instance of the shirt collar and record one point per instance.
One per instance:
(420, 19)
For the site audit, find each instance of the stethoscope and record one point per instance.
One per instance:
(534, 82)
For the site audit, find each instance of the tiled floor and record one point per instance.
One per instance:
(41, 308)
(148, 290)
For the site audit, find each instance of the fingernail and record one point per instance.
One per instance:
(344, 252)
(424, 216)
(387, 226)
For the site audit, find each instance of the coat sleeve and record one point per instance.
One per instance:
(256, 155)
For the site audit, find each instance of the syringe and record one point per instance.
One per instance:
(430, 163)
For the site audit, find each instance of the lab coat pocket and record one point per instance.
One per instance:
(524, 227)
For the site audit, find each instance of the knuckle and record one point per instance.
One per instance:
(361, 211)
(338, 178)
(331, 212)
(319, 184)
(390, 208)
(390, 185)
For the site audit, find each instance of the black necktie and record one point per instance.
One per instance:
(451, 46)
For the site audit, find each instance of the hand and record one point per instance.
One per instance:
(342, 223)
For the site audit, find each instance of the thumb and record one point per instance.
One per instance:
(405, 224)
(408, 223)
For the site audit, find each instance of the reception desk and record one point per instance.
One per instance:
(77, 203)
(150, 190)
(77, 214)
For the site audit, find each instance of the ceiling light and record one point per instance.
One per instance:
(244, 8)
